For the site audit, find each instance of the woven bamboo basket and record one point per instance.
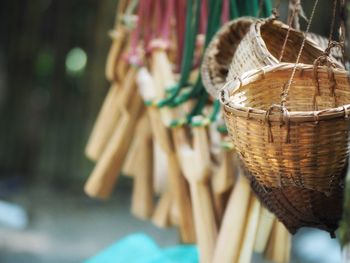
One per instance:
(263, 43)
(296, 158)
(219, 53)
(303, 145)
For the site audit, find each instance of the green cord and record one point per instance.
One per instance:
(267, 8)
(233, 9)
(192, 21)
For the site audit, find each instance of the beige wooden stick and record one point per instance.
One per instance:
(161, 215)
(266, 221)
(104, 124)
(252, 220)
(109, 116)
(222, 183)
(103, 178)
(232, 228)
(136, 149)
(278, 248)
(160, 164)
(195, 164)
(113, 57)
(142, 195)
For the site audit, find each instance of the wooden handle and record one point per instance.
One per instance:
(161, 215)
(278, 248)
(161, 166)
(103, 178)
(109, 116)
(247, 246)
(119, 37)
(136, 149)
(225, 177)
(182, 201)
(266, 221)
(205, 224)
(142, 195)
(232, 227)
(104, 124)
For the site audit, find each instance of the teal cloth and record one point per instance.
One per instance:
(140, 248)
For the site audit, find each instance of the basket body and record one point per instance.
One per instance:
(303, 149)
(219, 53)
(262, 45)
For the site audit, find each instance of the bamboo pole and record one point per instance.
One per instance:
(161, 215)
(142, 195)
(279, 245)
(103, 178)
(195, 165)
(247, 246)
(266, 220)
(232, 227)
(109, 115)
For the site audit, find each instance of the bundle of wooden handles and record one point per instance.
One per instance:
(198, 184)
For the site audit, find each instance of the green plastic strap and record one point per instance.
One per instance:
(192, 21)
(267, 8)
(233, 9)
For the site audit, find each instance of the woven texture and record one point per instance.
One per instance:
(219, 53)
(262, 46)
(297, 208)
(301, 148)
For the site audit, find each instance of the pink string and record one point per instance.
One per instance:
(203, 22)
(180, 8)
(225, 16)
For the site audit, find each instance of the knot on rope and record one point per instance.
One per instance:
(284, 120)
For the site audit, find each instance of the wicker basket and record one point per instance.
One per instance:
(262, 46)
(297, 208)
(304, 145)
(219, 53)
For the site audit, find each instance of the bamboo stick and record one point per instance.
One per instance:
(104, 124)
(142, 196)
(161, 215)
(195, 165)
(222, 183)
(266, 221)
(109, 116)
(103, 178)
(247, 246)
(232, 227)
(278, 248)
(160, 164)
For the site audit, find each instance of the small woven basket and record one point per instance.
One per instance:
(262, 46)
(219, 53)
(304, 144)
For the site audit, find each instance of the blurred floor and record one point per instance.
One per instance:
(65, 226)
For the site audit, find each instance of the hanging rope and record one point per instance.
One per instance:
(286, 90)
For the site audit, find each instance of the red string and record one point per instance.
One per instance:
(180, 8)
(203, 23)
(225, 16)
(170, 6)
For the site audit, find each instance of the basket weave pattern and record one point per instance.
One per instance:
(219, 53)
(262, 45)
(310, 143)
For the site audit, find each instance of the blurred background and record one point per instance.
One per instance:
(52, 83)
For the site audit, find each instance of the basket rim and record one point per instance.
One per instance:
(295, 116)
